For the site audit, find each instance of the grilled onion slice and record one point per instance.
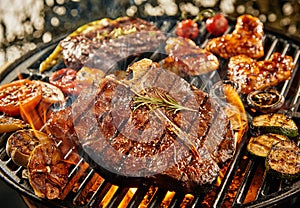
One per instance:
(47, 172)
(10, 124)
(21, 143)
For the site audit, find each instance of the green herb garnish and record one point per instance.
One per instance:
(160, 100)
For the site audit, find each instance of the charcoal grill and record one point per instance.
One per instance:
(244, 181)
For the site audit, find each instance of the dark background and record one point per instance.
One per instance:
(9, 198)
(26, 24)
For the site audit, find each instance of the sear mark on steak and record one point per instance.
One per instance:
(180, 151)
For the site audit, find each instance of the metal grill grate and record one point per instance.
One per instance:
(245, 182)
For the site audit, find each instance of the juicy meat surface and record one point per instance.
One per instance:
(246, 39)
(60, 126)
(186, 58)
(109, 42)
(258, 75)
(179, 150)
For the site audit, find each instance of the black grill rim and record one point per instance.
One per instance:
(264, 201)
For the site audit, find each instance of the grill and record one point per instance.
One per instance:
(244, 181)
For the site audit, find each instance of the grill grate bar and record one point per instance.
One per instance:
(74, 170)
(83, 184)
(197, 201)
(285, 49)
(271, 49)
(157, 198)
(99, 194)
(288, 83)
(118, 197)
(138, 196)
(177, 200)
(296, 101)
(262, 187)
(244, 187)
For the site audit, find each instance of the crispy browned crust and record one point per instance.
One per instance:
(246, 39)
(258, 75)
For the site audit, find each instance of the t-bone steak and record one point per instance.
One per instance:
(152, 127)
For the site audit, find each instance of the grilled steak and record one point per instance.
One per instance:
(186, 58)
(259, 75)
(246, 39)
(177, 149)
(101, 44)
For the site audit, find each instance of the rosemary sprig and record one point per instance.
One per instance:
(161, 100)
(186, 139)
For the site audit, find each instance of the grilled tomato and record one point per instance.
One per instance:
(65, 79)
(217, 24)
(187, 29)
(21, 94)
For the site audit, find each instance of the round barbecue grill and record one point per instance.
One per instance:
(244, 181)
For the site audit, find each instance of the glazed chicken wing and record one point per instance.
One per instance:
(246, 39)
(258, 75)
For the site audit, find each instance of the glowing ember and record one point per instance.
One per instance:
(148, 197)
(219, 179)
(168, 198)
(187, 201)
(125, 201)
(108, 196)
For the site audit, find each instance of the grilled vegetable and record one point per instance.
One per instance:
(268, 101)
(50, 93)
(47, 171)
(65, 80)
(283, 160)
(274, 123)
(19, 95)
(9, 124)
(261, 145)
(187, 29)
(217, 25)
(21, 143)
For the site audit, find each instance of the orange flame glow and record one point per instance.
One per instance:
(108, 196)
(125, 201)
(236, 112)
(219, 179)
(32, 117)
(167, 199)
